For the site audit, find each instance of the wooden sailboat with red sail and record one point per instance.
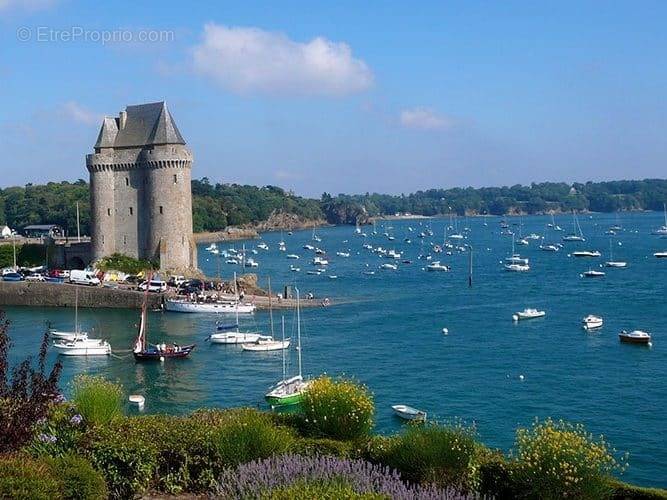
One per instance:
(158, 352)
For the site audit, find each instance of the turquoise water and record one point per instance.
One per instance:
(387, 332)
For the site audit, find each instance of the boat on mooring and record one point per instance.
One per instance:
(155, 352)
(635, 337)
(591, 322)
(409, 413)
(289, 391)
(528, 313)
(83, 347)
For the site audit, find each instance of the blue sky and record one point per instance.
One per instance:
(343, 97)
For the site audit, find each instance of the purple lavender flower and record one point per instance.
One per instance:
(76, 419)
(59, 398)
(254, 479)
(47, 438)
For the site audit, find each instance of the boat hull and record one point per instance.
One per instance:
(207, 308)
(633, 340)
(155, 355)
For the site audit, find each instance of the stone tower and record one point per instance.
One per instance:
(140, 197)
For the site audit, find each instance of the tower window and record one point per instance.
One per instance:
(131, 211)
(102, 239)
(109, 212)
(127, 181)
(124, 239)
(175, 178)
(161, 210)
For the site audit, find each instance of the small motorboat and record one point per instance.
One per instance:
(616, 263)
(292, 256)
(343, 254)
(591, 322)
(319, 261)
(660, 255)
(586, 253)
(369, 273)
(635, 337)
(549, 248)
(437, 266)
(517, 268)
(266, 344)
(409, 413)
(218, 307)
(391, 267)
(528, 313)
(138, 400)
(591, 273)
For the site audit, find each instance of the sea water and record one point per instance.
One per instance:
(386, 331)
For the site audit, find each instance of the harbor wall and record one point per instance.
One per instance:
(64, 295)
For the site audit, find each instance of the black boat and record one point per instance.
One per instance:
(157, 352)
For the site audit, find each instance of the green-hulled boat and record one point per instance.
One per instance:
(289, 391)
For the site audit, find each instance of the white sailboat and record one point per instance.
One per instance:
(662, 230)
(611, 262)
(289, 391)
(77, 343)
(577, 233)
(77, 333)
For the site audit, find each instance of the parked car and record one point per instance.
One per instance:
(176, 281)
(83, 278)
(36, 277)
(11, 277)
(153, 286)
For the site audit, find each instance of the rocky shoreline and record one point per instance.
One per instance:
(277, 222)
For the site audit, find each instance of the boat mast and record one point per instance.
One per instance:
(76, 311)
(298, 328)
(270, 308)
(283, 350)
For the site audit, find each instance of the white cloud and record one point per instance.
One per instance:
(25, 5)
(250, 60)
(81, 114)
(424, 119)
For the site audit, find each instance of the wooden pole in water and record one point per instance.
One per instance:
(470, 268)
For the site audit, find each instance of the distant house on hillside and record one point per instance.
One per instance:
(5, 232)
(44, 230)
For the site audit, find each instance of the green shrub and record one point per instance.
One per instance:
(322, 490)
(25, 478)
(624, 491)
(80, 480)
(125, 264)
(496, 479)
(557, 459)
(98, 400)
(324, 447)
(433, 453)
(250, 435)
(338, 409)
(128, 464)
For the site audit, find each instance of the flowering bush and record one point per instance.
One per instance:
(59, 433)
(26, 393)
(276, 476)
(338, 409)
(558, 460)
(98, 400)
(445, 455)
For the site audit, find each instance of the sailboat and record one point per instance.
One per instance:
(457, 235)
(77, 343)
(267, 342)
(77, 333)
(289, 391)
(515, 258)
(314, 237)
(577, 234)
(662, 230)
(553, 224)
(548, 247)
(611, 262)
(158, 352)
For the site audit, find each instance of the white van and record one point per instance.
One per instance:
(153, 286)
(83, 278)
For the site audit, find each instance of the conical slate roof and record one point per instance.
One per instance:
(107, 135)
(145, 125)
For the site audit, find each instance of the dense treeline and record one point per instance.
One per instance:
(648, 194)
(216, 206)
